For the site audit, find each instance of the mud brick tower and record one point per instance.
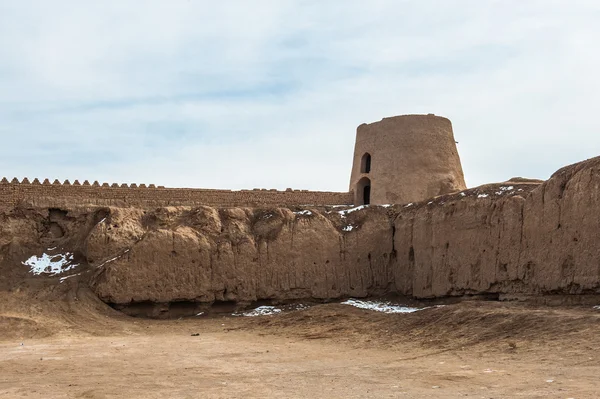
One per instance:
(405, 159)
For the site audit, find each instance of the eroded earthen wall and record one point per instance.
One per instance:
(514, 238)
(507, 239)
(507, 242)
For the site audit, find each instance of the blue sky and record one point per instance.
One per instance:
(268, 93)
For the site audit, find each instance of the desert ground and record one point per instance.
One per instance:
(73, 346)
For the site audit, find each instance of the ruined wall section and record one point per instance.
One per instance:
(505, 241)
(58, 194)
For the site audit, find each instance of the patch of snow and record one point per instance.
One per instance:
(268, 216)
(462, 194)
(408, 205)
(51, 249)
(113, 259)
(51, 264)
(305, 213)
(110, 260)
(200, 314)
(384, 307)
(345, 212)
(483, 195)
(597, 307)
(348, 228)
(430, 202)
(102, 221)
(386, 205)
(338, 206)
(260, 311)
(504, 189)
(299, 306)
(62, 279)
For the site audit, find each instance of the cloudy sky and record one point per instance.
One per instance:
(268, 93)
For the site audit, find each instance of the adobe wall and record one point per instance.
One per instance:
(413, 157)
(505, 241)
(512, 239)
(66, 194)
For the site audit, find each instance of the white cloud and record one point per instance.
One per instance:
(269, 93)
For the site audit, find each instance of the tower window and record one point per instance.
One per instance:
(365, 163)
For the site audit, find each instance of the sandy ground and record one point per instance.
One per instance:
(79, 349)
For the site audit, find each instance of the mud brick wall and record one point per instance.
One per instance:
(58, 194)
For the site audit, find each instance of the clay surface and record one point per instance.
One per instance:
(72, 347)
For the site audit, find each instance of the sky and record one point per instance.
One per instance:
(268, 93)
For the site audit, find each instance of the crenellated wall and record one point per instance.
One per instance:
(57, 194)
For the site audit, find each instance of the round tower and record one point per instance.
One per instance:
(405, 159)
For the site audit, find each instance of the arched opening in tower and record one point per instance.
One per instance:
(363, 190)
(365, 163)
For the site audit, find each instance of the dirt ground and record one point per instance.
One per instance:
(79, 348)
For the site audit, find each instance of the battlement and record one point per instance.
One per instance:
(57, 194)
(57, 182)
